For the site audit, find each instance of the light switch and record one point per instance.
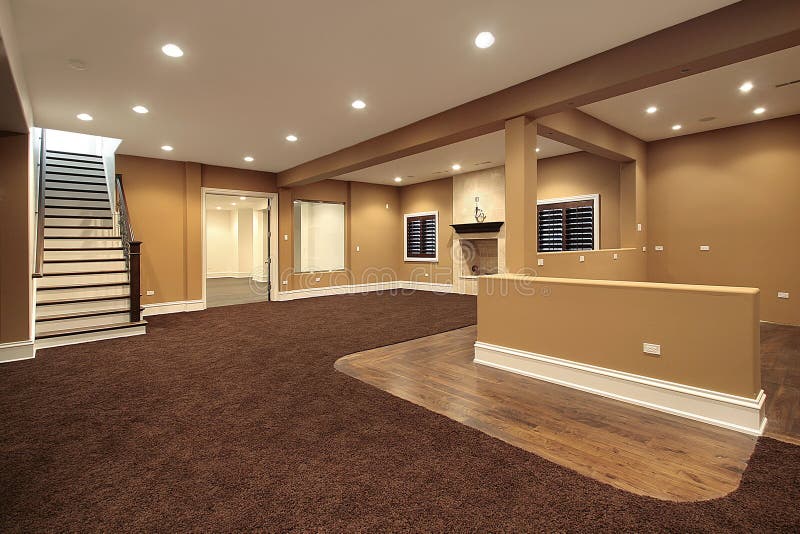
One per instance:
(358, 249)
(286, 237)
(639, 227)
(387, 205)
(581, 259)
(644, 249)
(659, 247)
(616, 256)
(285, 283)
(150, 292)
(705, 247)
(317, 279)
(540, 262)
(783, 294)
(651, 348)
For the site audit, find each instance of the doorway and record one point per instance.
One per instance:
(238, 248)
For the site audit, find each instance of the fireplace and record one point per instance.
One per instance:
(479, 256)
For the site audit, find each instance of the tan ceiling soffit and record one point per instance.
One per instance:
(576, 128)
(741, 31)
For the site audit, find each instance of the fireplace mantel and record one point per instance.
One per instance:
(477, 228)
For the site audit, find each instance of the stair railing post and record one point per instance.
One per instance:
(136, 291)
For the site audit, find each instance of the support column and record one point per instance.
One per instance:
(521, 184)
(193, 232)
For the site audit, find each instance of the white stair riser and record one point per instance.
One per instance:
(82, 243)
(81, 307)
(82, 267)
(55, 212)
(85, 254)
(89, 195)
(83, 292)
(80, 279)
(53, 157)
(69, 221)
(88, 187)
(60, 341)
(84, 204)
(73, 167)
(82, 322)
(79, 232)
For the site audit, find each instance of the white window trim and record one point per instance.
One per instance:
(435, 259)
(595, 198)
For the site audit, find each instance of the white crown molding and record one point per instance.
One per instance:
(16, 351)
(721, 409)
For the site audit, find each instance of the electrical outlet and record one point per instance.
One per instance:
(387, 205)
(659, 247)
(615, 256)
(639, 227)
(285, 283)
(317, 279)
(286, 237)
(358, 249)
(783, 294)
(651, 348)
(150, 292)
(581, 259)
(426, 275)
(705, 247)
(644, 249)
(540, 262)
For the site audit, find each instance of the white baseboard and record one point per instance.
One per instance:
(721, 409)
(363, 288)
(159, 308)
(17, 350)
(231, 274)
(90, 336)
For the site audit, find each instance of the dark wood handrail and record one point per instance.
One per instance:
(132, 250)
(38, 267)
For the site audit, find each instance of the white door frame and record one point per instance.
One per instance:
(273, 237)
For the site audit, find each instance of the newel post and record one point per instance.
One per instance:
(136, 287)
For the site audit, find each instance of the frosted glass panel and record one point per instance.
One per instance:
(318, 236)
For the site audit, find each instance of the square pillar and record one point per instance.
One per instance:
(521, 185)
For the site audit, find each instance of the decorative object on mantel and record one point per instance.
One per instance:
(477, 228)
(480, 216)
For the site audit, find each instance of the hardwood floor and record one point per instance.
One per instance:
(229, 291)
(635, 449)
(780, 378)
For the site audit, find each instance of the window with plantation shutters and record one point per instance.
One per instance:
(566, 224)
(421, 243)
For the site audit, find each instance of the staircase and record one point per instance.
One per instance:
(84, 273)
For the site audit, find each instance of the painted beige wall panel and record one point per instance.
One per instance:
(436, 195)
(709, 336)
(737, 191)
(239, 179)
(15, 273)
(583, 173)
(719, 38)
(376, 230)
(630, 265)
(487, 184)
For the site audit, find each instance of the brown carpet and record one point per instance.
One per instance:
(234, 418)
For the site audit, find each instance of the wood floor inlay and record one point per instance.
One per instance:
(632, 448)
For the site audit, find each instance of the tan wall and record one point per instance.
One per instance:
(376, 231)
(630, 265)
(436, 195)
(709, 336)
(239, 179)
(165, 202)
(15, 273)
(583, 173)
(736, 190)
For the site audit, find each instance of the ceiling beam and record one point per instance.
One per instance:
(735, 33)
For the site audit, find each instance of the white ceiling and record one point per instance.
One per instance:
(257, 70)
(230, 202)
(473, 154)
(709, 94)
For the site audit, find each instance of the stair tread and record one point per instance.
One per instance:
(81, 236)
(80, 300)
(86, 260)
(73, 154)
(77, 227)
(82, 199)
(72, 249)
(84, 286)
(81, 315)
(90, 217)
(89, 329)
(81, 273)
(63, 158)
(77, 208)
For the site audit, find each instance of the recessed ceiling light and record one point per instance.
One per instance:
(759, 110)
(538, 149)
(140, 109)
(746, 87)
(651, 110)
(249, 158)
(166, 148)
(484, 40)
(291, 138)
(676, 127)
(233, 203)
(358, 104)
(456, 167)
(84, 116)
(398, 179)
(172, 50)
(219, 208)
(242, 198)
